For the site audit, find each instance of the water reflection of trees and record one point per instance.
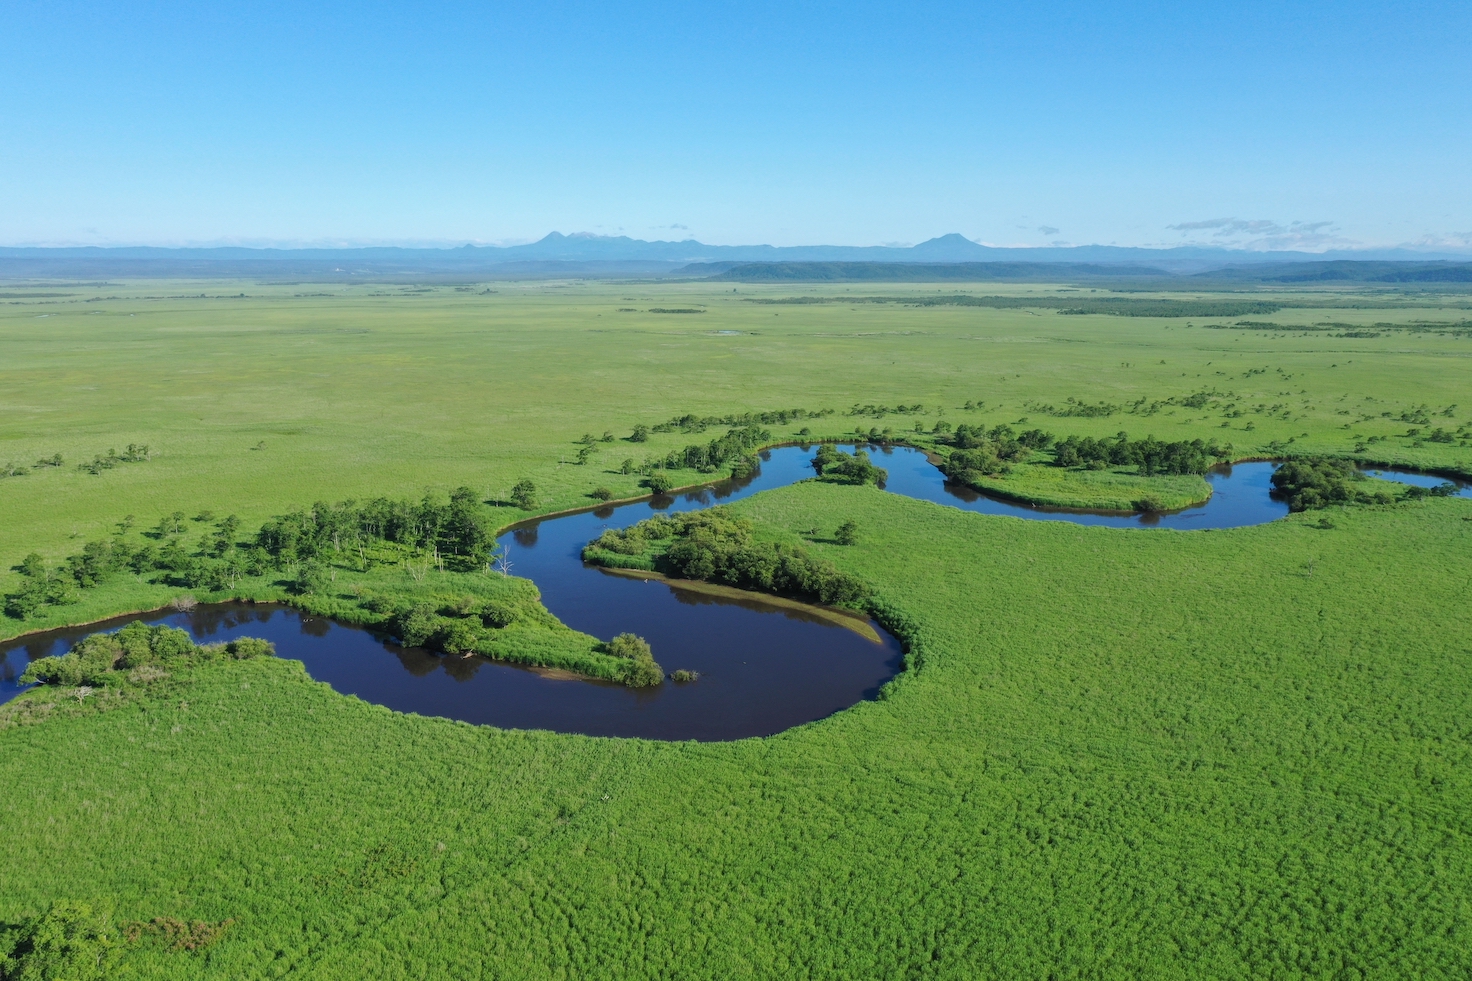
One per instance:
(316, 626)
(421, 663)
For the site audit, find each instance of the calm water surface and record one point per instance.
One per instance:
(763, 669)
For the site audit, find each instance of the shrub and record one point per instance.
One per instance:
(659, 482)
(494, 613)
(70, 941)
(847, 533)
(630, 646)
(643, 671)
(640, 434)
(524, 495)
(458, 636)
(418, 625)
(683, 675)
(311, 578)
(244, 648)
(601, 494)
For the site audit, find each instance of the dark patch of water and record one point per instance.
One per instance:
(761, 672)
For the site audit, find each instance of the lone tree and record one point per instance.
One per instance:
(847, 533)
(641, 434)
(659, 482)
(524, 495)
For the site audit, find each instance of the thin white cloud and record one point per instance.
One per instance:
(1048, 229)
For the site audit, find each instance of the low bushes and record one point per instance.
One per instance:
(136, 654)
(717, 547)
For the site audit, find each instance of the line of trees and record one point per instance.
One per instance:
(979, 451)
(457, 534)
(1150, 455)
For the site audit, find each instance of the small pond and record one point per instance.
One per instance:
(763, 668)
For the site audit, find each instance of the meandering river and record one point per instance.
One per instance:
(762, 668)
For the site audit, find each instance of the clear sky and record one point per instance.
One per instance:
(1304, 125)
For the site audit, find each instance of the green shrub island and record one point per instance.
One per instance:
(1317, 482)
(838, 467)
(716, 546)
(136, 654)
(1108, 473)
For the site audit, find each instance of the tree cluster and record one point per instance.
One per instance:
(691, 423)
(836, 466)
(137, 653)
(458, 532)
(1314, 483)
(1150, 455)
(715, 546)
(470, 624)
(988, 452)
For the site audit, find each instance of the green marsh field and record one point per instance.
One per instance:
(1112, 753)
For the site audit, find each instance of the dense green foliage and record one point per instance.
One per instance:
(715, 546)
(511, 625)
(838, 467)
(1150, 455)
(71, 941)
(136, 654)
(709, 457)
(1319, 483)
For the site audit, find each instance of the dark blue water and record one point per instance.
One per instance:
(763, 669)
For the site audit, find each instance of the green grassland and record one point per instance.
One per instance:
(1113, 753)
(351, 394)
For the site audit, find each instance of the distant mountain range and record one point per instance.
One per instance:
(597, 255)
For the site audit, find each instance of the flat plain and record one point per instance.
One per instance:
(1112, 754)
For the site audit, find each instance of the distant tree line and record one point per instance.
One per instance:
(715, 546)
(691, 423)
(989, 452)
(1118, 306)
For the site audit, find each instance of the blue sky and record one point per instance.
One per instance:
(1264, 125)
